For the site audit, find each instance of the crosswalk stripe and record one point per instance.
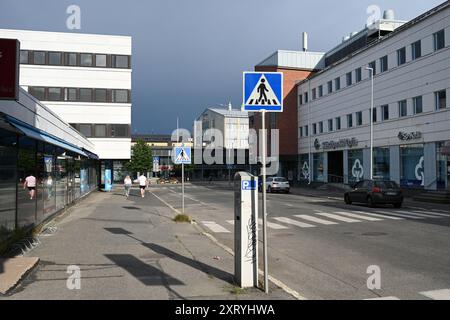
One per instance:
(358, 216)
(214, 227)
(336, 217)
(379, 215)
(294, 222)
(231, 222)
(435, 214)
(426, 215)
(440, 210)
(399, 215)
(384, 298)
(443, 294)
(314, 219)
(272, 225)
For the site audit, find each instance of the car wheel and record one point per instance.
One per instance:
(398, 205)
(370, 202)
(347, 199)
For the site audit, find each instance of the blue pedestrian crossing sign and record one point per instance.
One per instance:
(263, 91)
(182, 155)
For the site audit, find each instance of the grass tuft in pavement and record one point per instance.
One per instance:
(182, 218)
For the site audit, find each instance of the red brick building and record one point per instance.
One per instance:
(295, 66)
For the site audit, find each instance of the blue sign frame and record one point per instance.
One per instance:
(251, 80)
(177, 151)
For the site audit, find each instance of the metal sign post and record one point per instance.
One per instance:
(182, 155)
(263, 91)
(182, 187)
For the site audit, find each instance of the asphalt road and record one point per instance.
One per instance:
(322, 248)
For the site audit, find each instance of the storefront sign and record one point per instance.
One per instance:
(405, 136)
(9, 69)
(331, 145)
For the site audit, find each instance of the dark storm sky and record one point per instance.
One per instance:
(190, 54)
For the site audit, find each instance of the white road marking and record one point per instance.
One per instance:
(440, 210)
(294, 222)
(336, 217)
(231, 222)
(434, 213)
(426, 215)
(399, 215)
(357, 216)
(384, 298)
(314, 219)
(214, 227)
(379, 215)
(272, 225)
(443, 294)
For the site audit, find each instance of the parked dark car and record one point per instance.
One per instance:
(373, 192)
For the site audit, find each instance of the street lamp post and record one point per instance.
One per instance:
(371, 123)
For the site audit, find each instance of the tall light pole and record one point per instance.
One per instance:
(371, 123)
(309, 135)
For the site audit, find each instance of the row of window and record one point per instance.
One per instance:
(440, 98)
(103, 130)
(81, 94)
(416, 52)
(75, 59)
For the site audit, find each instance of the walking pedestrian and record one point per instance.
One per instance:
(127, 184)
(30, 183)
(142, 184)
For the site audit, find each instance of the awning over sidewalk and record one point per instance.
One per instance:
(37, 134)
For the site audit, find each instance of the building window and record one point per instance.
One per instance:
(440, 100)
(320, 91)
(358, 75)
(100, 60)
(71, 59)
(86, 60)
(337, 84)
(55, 58)
(314, 94)
(306, 97)
(338, 123)
(373, 65)
(330, 87)
(318, 167)
(321, 127)
(355, 165)
(401, 56)
(350, 120)
(384, 64)
(39, 57)
(54, 94)
(119, 131)
(381, 163)
(300, 99)
(100, 130)
(121, 62)
(70, 94)
(24, 56)
(306, 131)
(330, 125)
(301, 132)
(385, 112)
(402, 108)
(349, 79)
(416, 50)
(86, 130)
(411, 164)
(359, 118)
(439, 40)
(314, 128)
(37, 92)
(86, 95)
(374, 115)
(120, 96)
(100, 95)
(417, 105)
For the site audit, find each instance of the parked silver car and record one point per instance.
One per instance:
(277, 184)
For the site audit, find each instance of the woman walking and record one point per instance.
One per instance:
(127, 183)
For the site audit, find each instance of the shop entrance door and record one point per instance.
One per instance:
(336, 167)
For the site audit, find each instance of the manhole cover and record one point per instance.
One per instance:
(374, 234)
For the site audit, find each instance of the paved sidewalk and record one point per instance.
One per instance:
(131, 249)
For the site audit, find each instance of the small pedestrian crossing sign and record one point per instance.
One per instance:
(182, 155)
(263, 91)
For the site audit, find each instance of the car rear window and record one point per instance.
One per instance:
(386, 184)
(280, 180)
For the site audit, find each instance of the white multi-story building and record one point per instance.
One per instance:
(86, 80)
(232, 124)
(411, 115)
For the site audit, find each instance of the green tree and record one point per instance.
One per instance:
(141, 159)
